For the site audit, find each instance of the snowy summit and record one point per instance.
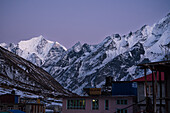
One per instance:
(84, 64)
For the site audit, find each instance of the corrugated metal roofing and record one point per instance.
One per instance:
(124, 89)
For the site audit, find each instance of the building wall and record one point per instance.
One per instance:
(35, 108)
(141, 91)
(7, 99)
(142, 94)
(5, 107)
(168, 92)
(143, 107)
(113, 106)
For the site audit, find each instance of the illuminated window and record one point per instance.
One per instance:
(95, 104)
(76, 104)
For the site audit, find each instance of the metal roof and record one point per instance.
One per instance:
(16, 111)
(149, 78)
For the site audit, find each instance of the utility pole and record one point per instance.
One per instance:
(155, 92)
(160, 82)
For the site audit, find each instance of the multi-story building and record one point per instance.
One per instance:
(98, 104)
(12, 102)
(145, 90)
(113, 97)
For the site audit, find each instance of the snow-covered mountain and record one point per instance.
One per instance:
(36, 50)
(18, 73)
(116, 56)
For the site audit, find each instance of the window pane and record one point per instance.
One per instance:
(118, 111)
(95, 104)
(121, 101)
(76, 104)
(118, 101)
(68, 104)
(125, 111)
(71, 104)
(121, 111)
(125, 102)
(106, 104)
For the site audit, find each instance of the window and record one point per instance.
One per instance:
(95, 104)
(76, 104)
(19, 108)
(125, 102)
(10, 108)
(118, 101)
(149, 90)
(121, 111)
(134, 85)
(122, 102)
(23, 109)
(106, 104)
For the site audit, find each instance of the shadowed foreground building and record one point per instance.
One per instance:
(12, 102)
(163, 87)
(146, 91)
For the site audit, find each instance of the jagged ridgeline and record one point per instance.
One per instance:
(16, 72)
(83, 65)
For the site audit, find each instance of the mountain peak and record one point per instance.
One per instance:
(77, 47)
(59, 45)
(168, 15)
(116, 55)
(39, 37)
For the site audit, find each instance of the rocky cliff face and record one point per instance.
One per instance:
(116, 56)
(16, 72)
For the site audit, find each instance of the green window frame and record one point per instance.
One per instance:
(122, 102)
(121, 111)
(118, 101)
(95, 104)
(76, 104)
(106, 104)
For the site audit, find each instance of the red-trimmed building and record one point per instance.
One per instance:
(149, 78)
(145, 89)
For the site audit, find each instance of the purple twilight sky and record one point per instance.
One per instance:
(70, 21)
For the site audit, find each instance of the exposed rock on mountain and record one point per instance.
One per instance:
(16, 72)
(116, 55)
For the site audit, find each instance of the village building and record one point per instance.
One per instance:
(12, 102)
(146, 91)
(98, 104)
(113, 97)
(158, 85)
